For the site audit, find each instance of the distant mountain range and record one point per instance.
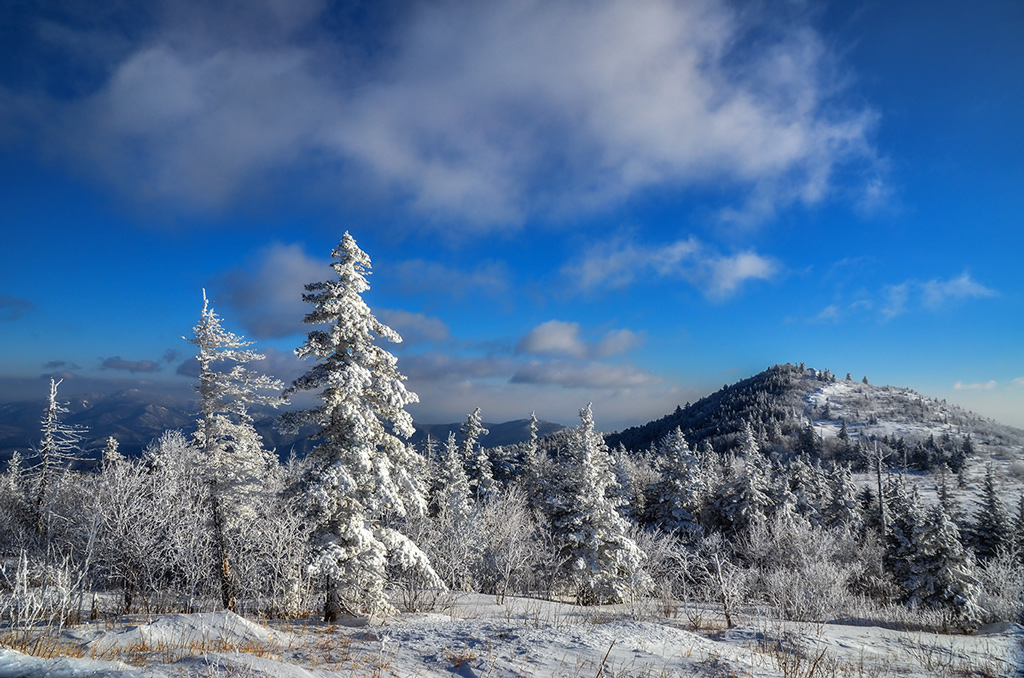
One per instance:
(779, 403)
(508, 433)
(135, 418)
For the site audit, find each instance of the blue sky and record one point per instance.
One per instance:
(625, 203)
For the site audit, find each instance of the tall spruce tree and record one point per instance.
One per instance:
(601, 562)
(676, 497)
(943, 569)
(991, 531)
(362, 478)
(902, 557)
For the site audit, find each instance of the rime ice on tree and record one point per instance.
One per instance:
(361, 474)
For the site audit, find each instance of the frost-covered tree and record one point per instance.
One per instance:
(474, 457)
(602, 563)
(943, 570)
(842, 509)
(56, 452)
(362, 479)
(745, 499)
(902, 540)
(807, 485)
(675, 498)
(234, 460)
(451, 500)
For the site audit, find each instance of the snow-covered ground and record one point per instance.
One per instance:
(476, 636)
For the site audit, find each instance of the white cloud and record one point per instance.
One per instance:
(934, 295)
(558, 338)
(895, 300)
(618, 264)
(728, 273)
(553, 337)
(830, 313)
(488, 112)
(939, 294)
(987, 386)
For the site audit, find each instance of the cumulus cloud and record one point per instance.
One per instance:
(133, 366)
(13, 308)
(489, 112)
(621, 263)
(266, 295)
(559, 338)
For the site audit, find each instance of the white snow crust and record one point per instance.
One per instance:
(523, 637)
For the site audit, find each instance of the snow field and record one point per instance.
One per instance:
(521, 638)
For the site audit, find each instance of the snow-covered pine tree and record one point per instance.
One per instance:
(841, 507)
(675, 498)
(234, 460)
(601, 562)
(807, 484)
(906, 520)
(528, 473)
(361, 474)
(944, 576)
(745, 498)
(991, 530)
(474, 457)
(451, 500)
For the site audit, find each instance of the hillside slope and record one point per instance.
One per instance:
(782, 401)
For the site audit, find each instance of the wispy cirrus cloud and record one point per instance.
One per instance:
(894, 300)
(940, 294)
(934, 295)
(985, 386)
(622, 263)
(488, 112)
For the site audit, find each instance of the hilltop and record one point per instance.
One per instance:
(783, 400)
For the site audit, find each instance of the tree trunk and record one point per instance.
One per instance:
(332, 604)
